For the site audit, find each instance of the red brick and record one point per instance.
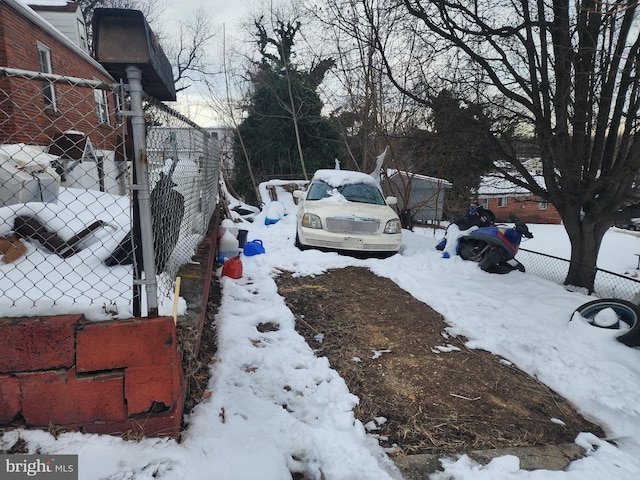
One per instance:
(123, 343)
(76, 106)
(62, 398)
(166, 424)
(10, 401)
(144, 386)
(33, 344)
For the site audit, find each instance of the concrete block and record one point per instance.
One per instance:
(62, 398)
(123, 343)
(149, 386)
(32, 344)
(166, 424)
(10, 398)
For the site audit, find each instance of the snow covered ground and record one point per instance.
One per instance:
(243, 432)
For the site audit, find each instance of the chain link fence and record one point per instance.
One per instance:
(607, 284)
(69, 230)
(183, 161)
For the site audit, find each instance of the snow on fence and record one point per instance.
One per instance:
(69, 230)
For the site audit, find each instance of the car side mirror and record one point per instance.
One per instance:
(391, 201)
(298, 194)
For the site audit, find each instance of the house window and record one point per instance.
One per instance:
(82, 36)
(542, 204)
(102, 107)
(502, 201)
(48, 90)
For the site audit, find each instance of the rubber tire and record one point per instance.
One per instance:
(470, 250)
(486, 263)
(627, 312)
(490, 261)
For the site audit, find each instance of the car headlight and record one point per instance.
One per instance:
(311, 221)
(393, 226)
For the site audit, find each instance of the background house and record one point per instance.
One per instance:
(66, 17)
(510, 202)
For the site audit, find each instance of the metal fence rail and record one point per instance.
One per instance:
(555, 269)
(67, 219)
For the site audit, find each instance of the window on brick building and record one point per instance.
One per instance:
(502, 201)
(48, 88)
(542, 204)
(102, 107)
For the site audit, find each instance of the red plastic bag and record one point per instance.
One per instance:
(232, 268)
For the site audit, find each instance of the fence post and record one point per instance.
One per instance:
(134, 77)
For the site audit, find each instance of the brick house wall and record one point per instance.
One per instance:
(21, 30)
(525, 208)
(510, 202)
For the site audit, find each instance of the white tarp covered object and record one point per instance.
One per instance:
(26, 175)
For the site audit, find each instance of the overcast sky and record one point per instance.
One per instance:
(227, 12)
(224, 15)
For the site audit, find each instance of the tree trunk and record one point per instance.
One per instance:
(585, 236)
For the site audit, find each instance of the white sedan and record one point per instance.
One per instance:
(347, 212)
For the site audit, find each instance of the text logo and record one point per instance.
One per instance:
(39, 467)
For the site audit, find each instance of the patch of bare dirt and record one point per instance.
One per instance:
(384, 343)
(198, 350)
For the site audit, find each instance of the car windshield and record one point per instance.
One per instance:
(353, 192)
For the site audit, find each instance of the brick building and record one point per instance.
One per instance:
(36, 111)
(510, 202)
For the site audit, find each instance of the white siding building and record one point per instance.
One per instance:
(64, 16)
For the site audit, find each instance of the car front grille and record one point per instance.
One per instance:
(383, 247)
(353, 225)
(324, 243)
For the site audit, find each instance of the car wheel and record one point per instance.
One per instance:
(632, 227)
(298, 244)
(627, 312)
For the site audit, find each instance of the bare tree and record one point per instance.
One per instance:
(368, 109)
(568, 73)
(188, 51)
(372, 114)
(228, 105)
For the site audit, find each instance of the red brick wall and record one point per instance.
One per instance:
(31, 123)
(102, 377)
(526, 209)
(3, 49)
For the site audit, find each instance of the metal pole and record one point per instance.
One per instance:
(134, 77)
